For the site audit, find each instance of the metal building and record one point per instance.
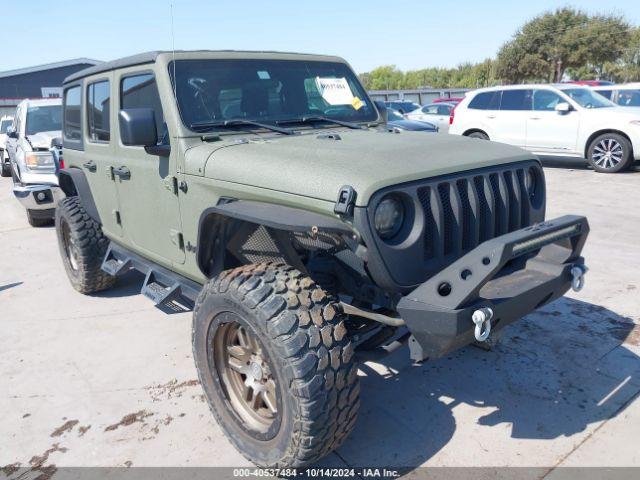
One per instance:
(42, 81)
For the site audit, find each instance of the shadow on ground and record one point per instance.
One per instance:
(553, 374)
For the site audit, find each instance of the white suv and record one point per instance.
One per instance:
(5, 123)
(560, 120)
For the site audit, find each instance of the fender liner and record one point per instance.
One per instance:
(213, 222)
(74, 182)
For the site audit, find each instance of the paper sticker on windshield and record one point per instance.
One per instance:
(264, 75)
(335, 91)
(357, 103)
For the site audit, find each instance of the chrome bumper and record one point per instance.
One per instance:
(38, 197)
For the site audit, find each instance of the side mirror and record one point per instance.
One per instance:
(12, 133)
(138, 127)
(382, 110)
(562, 107)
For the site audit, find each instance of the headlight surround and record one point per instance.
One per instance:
(389, 217)
(39, 160)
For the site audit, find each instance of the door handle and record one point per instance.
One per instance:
(491, 116)
(534, 118)
(122, 172)
(90, 165)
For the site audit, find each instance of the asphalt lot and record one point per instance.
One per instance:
(109, 380)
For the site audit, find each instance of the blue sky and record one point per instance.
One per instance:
(409, 34)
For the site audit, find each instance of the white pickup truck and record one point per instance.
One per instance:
(35, 149)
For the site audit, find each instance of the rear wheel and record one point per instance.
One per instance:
(275, 363)
(480, 135)
(610, 153)
(82, 247)
(6, 169)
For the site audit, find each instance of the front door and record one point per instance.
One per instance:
(549, 131)
(146, 183)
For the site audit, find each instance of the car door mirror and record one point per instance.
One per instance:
(138, 127)
(562, 108)
(382, 110)
(12, 132)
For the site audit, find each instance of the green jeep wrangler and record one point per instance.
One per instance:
(265, 191)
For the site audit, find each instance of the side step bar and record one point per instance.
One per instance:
(161, 286)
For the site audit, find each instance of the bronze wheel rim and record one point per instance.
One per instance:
(70, 248)
(245, 374)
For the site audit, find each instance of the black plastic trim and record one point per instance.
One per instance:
(279, 217)
(74, 182)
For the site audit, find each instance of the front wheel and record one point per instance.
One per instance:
(275, 363)
(610, 153)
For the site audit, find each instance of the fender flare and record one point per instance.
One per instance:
(74, 182)
(212, 222)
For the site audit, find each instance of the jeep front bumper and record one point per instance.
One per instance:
(502, 279)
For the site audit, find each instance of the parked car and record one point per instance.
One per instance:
(34, 147)
(625, 95)
(590, 83)
(435, 113)
(402, 106)
(5, 122)
(558, 120)
(306, 231)
(452, 100)
(397, 120)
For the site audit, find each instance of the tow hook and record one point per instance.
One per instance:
(482, 319)
(578, 272)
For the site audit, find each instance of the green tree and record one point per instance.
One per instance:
(545, 47)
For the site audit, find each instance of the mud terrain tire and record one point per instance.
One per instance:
(302, 338)
(82, 247)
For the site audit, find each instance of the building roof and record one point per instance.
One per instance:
(150, 57)
(49, 66)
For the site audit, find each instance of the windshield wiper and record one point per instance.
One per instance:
(320, 119)
(240, 121)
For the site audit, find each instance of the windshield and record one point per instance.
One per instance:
(393, 115)
(587, 98)
(44, 119)
(266, 91)
(4, 125)
(629, 98)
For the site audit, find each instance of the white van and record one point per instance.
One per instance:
(560, 120)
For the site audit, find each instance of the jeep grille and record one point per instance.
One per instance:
(455, 213)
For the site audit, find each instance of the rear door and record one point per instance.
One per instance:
(146, 183)
(549, 131)
(84, 105)
(509, 124)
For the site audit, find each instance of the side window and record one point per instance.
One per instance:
(516, 100)
(72, 126)
(486, 101)
(444, 110)
(430, 109)
(98, 108)
(605, 93)
(546, 100)
(141, 91)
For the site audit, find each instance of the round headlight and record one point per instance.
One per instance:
(389, 217)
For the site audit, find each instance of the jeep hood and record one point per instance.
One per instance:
(316, 165)
(43, 139)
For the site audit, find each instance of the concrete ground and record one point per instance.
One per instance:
(109, 380)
